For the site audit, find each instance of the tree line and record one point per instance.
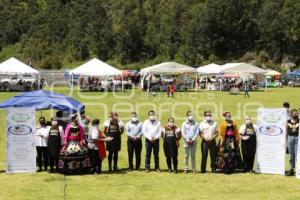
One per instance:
(49, 33)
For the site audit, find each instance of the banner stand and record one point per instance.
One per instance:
(20, 140)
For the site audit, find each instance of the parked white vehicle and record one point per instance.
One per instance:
(17, 81)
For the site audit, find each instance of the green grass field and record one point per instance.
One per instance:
(140, 185)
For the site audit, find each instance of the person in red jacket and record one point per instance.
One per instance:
(171, 90)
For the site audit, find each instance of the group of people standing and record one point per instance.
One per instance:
(79, 148)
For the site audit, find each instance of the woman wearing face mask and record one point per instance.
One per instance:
(229, 143)
(113, 128)
(248, 138)
(171, 136)
(74, 158)
(41, 144)
(56, 134)
(292, 139)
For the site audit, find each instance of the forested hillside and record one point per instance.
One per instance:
(135, 33)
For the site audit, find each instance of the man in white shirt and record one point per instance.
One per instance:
(134, 143)
(208, 131)
(152, 130)
(41, 136)
(190, 131)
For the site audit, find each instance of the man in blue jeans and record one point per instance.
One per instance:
(292, 139)
(152, 131)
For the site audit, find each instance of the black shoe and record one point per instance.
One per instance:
(109, 169)
(175, 171)
(39, 170)
(116, 169)
(203, 172)
(291, 173)
(213, 171)
(130, 169)
(170, 171)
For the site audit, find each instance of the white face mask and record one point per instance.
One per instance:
(228, 118)
(152, 117)
(171, 124)
(54, 123)
(208, 118)
(190, 118)
(134, 119)
(248, 121)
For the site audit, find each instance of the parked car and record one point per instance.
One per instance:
(24, 82)
(293, 83)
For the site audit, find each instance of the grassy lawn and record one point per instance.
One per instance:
(139, 185)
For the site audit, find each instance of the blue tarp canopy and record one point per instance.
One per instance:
(294, 73)
(43, 100)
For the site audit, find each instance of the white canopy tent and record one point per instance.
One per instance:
(242, 68)
(95, 67)
(209, 69)
(169, 68)
(14, 66)
(271, 72)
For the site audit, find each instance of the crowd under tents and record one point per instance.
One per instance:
(95, 68)
(166, 68)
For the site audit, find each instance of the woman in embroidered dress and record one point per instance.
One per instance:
(74, 158)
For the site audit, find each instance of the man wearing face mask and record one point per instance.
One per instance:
(152, 130)
(42, 132)
(190, 131)
(248, 137)
(134, 143)
(208, 131)
(292, 139)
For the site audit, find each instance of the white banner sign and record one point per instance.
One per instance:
(20, 143)
(271, 141)
(298, 158)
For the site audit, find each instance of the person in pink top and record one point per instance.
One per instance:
(74, 157)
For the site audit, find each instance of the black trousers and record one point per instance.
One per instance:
(53, 160)
(113, 155)
(134, 147)
(96, 161)
(42, 157)
(212, 148)
(149, 147)
(248, 152)
(169, 160)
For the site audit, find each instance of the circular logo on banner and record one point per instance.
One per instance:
(20, 130)
(271, 130)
